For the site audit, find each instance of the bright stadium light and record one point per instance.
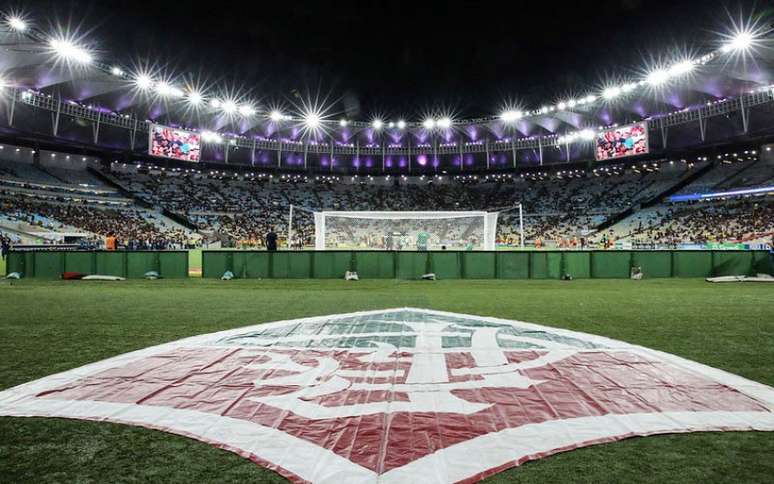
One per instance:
(571, 103)
(215, 103)
(591, 98)
(246, 110)
(195, 98)
(740, 42)
(429, 123)
(229, 107)
(561, 106)
(276, 116)
(658, 77)
(163, 88)
(511, 116)
(67, 50)
(343, 123)
(444, 123)
(611, 92)
(116, 71)
(17, 23)
(682, 68)
(377, 124)
(143, 81)
(312, 120)
(401, 124)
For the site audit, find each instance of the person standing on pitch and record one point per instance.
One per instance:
(5, 247)
(271, 240)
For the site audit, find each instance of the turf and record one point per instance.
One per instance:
(48, 327)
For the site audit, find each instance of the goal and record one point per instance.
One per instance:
(405, 230)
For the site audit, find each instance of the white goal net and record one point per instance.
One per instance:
(405, 230)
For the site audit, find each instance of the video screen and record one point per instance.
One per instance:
(624, 141)
(174, 143)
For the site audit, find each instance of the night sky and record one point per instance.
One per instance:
(396, 58)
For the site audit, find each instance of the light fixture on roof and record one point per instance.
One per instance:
(377, 124)
(195, 98)
(276, 116)
(740, 42)
(429, 123)
(215, 103)
(116, 71)
(16, 23)
(143, 81)
(611, 92)
(401, 124)
(312, 120)
(229, 107)
(68, 50)
(164, 88)
(246, 110)
(445, 122)
(681, 68)
(658, 77)
(561, 106)
(343, 123)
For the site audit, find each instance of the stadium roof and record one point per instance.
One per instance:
(63, 66)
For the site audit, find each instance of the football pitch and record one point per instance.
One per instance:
(49, 327)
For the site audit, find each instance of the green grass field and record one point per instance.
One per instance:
(47, 327)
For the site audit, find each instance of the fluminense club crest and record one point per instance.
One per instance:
(400, 395)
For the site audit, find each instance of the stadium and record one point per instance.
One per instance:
(221, 270)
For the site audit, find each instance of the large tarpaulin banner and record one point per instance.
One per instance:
(401, 395)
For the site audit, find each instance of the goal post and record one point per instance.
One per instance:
(413, 230)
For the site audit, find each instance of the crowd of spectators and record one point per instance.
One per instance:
(131, 226)
(238, 210)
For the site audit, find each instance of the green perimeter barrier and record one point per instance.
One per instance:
(480, 265)
(50, 264)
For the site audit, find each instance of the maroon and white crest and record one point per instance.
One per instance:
(400, 395)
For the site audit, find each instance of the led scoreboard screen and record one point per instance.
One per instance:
(174, 143)
(623, 141)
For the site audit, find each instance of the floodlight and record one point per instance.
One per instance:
(628, 87)
(591, 98)
(510, 116)
(116, 71)
(391, 124)
(444, 123)
(544, 109)
(658, 77)
(276, 116)
(681, 68)
(429, 123)
(401, 124)
(611, 92)
(163, 88)
(229, 107)
(67, 50)
(741, 41)
(17, 24)
(343, 123)
(377, 124)
(312, 120)
(246, 110)
(561, 106)
(571, 103)
(195, 98)
(143, 81)
(215, 103)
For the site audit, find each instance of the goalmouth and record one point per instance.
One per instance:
(405, 230)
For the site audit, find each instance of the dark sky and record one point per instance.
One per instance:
(399, 58)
